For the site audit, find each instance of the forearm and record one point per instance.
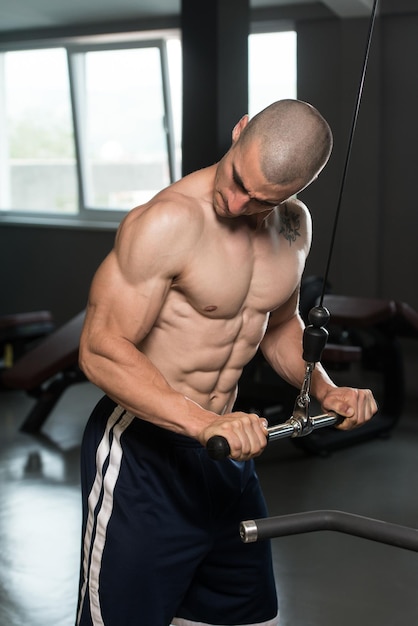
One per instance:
(127, 376)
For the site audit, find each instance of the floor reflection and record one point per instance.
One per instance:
(40, 512)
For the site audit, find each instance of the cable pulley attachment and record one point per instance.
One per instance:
(315, 335)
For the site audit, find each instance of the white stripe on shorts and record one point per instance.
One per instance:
(105, 482)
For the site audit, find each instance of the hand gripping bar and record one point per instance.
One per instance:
(218, 447)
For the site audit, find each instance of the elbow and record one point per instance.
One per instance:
(85, 359)
(82, 362)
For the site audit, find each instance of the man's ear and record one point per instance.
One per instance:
(239, 127)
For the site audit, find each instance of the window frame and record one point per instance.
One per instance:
(75, 48)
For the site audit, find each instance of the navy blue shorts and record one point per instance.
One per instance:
(161, 530)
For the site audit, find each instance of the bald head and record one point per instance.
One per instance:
(294, 140)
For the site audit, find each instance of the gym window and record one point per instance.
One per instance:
(91, 128)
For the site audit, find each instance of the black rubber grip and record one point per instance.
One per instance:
(314, 342)
(218, 448)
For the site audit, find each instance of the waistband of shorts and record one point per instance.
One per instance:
(149, 430)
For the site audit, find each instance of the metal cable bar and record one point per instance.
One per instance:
(313, 521)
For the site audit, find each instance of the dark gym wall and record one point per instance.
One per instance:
(49, 268)
(375, 253)
(329, 77)
(399, 250)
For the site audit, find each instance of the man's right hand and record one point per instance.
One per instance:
(246, 434)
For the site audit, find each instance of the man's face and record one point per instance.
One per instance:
(241, 188)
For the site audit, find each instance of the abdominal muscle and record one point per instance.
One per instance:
(202, 357)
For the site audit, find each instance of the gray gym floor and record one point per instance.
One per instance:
(323, 578)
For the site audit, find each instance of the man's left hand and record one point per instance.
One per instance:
(356, 406)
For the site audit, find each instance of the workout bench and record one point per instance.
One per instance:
(373, 327)
(47, 370)
(18, 331)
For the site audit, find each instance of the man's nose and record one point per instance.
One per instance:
(238, 203)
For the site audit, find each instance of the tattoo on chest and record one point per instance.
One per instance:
(290, 225)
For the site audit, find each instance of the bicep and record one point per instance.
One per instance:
(283, 321)
(120, 307)
(282, 344)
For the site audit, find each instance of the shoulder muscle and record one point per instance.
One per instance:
(158, 237)
(296, 224)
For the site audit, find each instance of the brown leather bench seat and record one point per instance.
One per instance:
(47, 370)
